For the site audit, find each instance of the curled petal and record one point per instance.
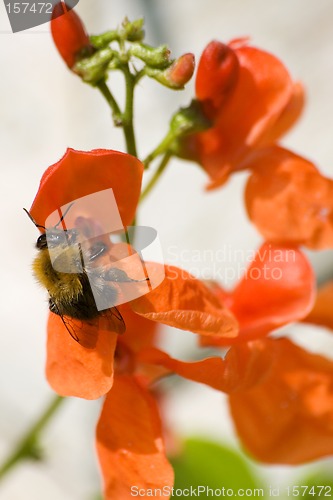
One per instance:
(184, 302)
(129, 442)
(235, 372)
(287, 417)
(322, 312)
(217, 75)
(287, 119)
(82, 173)
(83, 369)
(210, 371)
(277, 288)
(289, 200)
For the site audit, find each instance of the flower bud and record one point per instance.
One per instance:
(131, 31)
(155, 57)
(181, 71)
(217, 73)
(69, 35)
(177, 74)
(94, 69)
(134, 30)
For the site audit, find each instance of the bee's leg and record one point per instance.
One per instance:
(96, 250)
(53, 307)
(119, 276)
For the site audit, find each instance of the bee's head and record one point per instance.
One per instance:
(53, 238)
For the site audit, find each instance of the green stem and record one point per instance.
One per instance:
(156, 176)
(116, 113)
(28, 446)
(124, 120)
(162, 148)
(128, 114)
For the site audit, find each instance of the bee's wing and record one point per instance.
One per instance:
(86, 332)
(112, 320)
(71, 326)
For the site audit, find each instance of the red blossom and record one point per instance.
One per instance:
(251, 100)
(69, 34)
(86, 368)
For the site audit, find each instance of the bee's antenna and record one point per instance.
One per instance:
(33, 220)
(64, 214)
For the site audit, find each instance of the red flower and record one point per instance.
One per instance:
(251, 101)
(129, 433)
(281, 397)
(69, 34)
(180, 301)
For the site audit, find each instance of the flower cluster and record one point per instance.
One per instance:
(280, 395)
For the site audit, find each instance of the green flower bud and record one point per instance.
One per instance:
(94, 69)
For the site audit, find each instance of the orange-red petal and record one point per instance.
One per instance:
(287, 417)
(322, 312)
(277, 288)
(81, 173)
(287, 119)
(233, 372)
(140, 333)
(216, 76)
(289, 200)
(184, 302)
(129, 442)
(209, 371)
(83, 369)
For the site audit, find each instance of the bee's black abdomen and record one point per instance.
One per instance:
(83, 307)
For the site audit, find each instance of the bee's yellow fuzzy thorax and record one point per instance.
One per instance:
(61, 286)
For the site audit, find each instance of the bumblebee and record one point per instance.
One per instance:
(75, 281)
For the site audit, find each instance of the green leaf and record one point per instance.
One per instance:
(205, 463)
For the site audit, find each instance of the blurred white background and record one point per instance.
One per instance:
(44, 109)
